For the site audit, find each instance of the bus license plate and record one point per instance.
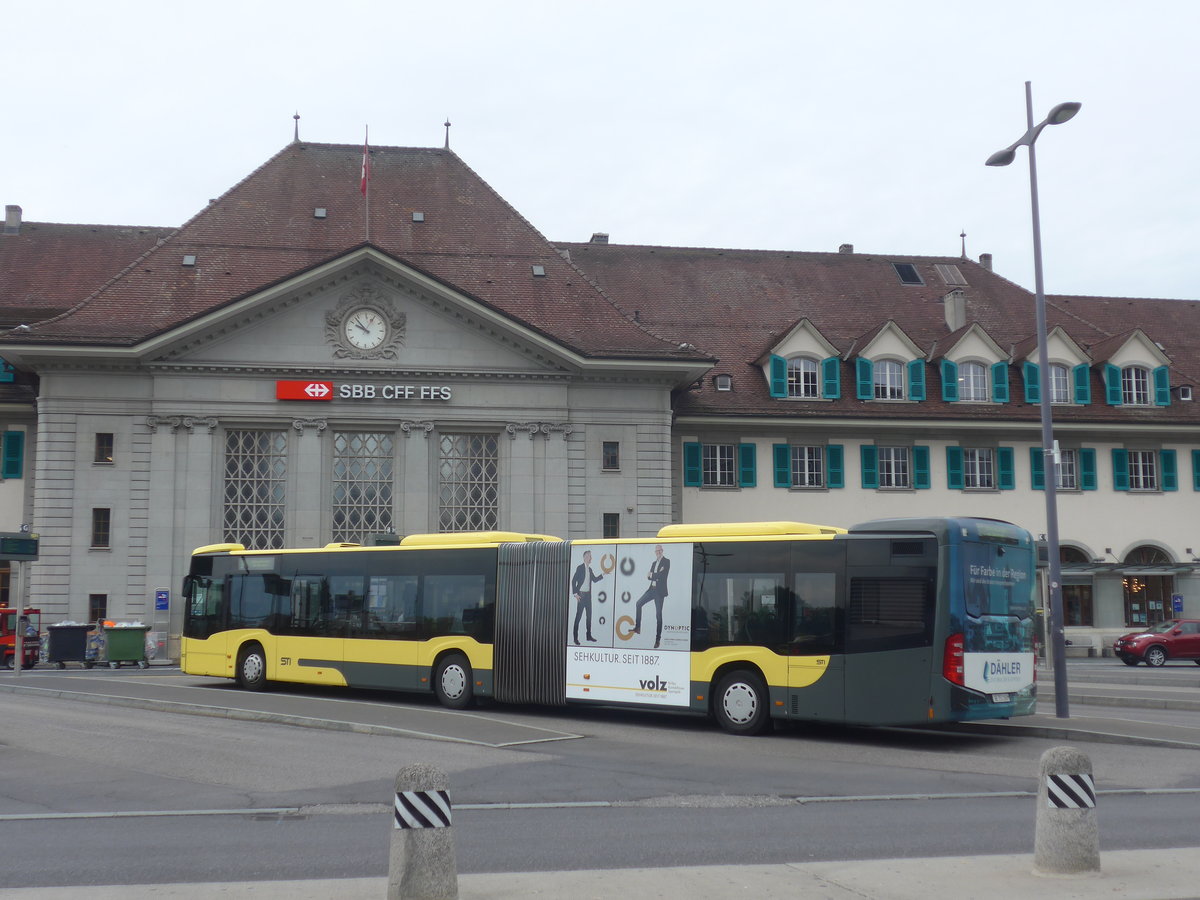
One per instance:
(1001, 698)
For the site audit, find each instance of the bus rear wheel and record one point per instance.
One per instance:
(252, 668)
(452, 681)
(740, 703)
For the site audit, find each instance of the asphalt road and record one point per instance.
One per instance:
(93, 791)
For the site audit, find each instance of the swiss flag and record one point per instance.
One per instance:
(366, 165)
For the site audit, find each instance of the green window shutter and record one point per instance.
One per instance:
(781, 455)
(831, 378)
(1007, 476)
(13, 454)
(747, 474)
(1037, 467)
(1162, 387)
(1120, 464)
(916, 379)
(1170, 471)
(954, 468)
(949, 380)
(1033, 385)
(1083, 384)
(1087, 469)
(7, 373)
(1000, 383)
(1196, 470)
(921, 473)
(869, 463)
(864, 376)
(835, 470)
(778, 376)
(1112, 385)
(692, 469)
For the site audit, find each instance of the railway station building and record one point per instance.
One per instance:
(306, 362)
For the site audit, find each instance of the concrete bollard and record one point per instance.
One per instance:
(1066, 841)
(421, 864)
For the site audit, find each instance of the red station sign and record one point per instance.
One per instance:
(304, 390)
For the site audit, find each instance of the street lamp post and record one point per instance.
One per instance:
(1059, 114)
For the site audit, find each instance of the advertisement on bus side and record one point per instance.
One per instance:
(630, 623)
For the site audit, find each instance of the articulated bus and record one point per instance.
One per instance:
(893, 622)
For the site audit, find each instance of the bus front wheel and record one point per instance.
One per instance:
(452, 681)
(740, 703)
(252, 668)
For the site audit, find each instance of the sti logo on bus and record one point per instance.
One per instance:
(304, 390)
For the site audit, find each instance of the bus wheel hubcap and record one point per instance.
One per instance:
(740, 702)
(454, 681)
(252, 668)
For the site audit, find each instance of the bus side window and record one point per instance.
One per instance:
(814, 614)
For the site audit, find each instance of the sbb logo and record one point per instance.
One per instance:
(357, 391)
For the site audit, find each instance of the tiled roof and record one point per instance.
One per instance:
(47, 268)
(263, 230)
(733, 303)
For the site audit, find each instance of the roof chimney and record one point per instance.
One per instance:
(12, 219)
(599, 237)
(985, 260)
(955, 304)
(846, 248)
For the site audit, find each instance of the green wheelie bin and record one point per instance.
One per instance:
(125, 643)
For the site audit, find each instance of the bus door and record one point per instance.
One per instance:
(303, 649)
(891, 595)
(204, 651)
(816, 670)
(381, 649)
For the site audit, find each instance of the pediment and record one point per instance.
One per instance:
(368, 313)
(1137, 349)
(803, 339)
(974, 343)
(1060, 348)
(890, 341)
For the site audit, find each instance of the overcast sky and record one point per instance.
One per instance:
(770, 125)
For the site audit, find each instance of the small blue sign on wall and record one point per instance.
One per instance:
(162, 601)
(1177, 603)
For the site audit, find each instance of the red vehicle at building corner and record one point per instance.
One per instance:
(29, 623)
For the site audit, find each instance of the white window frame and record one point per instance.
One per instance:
(888, 376)
(894, 468)
(804, 378)
(718, 465)
(1067, 478)
(1135, 386)
(1143, 470)
(973, 382)
(1060, 383)
(808, 466)
(979, 468)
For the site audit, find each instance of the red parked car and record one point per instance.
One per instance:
(1172, 639)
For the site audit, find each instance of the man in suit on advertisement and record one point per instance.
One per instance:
(659, 570)
(581, 590)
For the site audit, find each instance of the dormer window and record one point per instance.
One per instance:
(1135, 386)
(889, 380)
(972, 382)
(803, 378)
(1060, 384)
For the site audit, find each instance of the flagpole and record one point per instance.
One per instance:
(366, 184)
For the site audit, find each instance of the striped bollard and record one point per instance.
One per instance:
(421, 864)
(1066, 840)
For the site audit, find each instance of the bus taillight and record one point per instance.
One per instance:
(952, 659)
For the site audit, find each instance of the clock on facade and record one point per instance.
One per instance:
(365, 329)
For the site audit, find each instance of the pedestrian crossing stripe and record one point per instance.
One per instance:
(422, 809)
(1071, 791)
